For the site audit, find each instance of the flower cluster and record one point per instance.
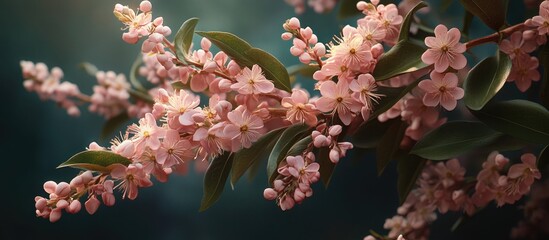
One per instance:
(319, 6)
(444, 187)
(110, 97)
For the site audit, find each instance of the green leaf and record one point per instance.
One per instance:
(302, 69)
(184, 38)
(140, 96)
(215, 178)
(284, 143)
(453, 139)
(114, 123)
(405, 28)
(389, 144)
(408, 170)
(89, 68)
(519, 118)
(326, 165)
(467, 21)
(179, 85)
(505, 143)
(390, 97)
(133, 74)
(485, 80)
(300, 146)
(491, 12)
(369, 134)
(403, 58)
(246, 157)
(543, 159)
(100, 161)
(246, 55)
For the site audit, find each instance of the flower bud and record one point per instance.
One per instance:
(145, 6)
(270, 194)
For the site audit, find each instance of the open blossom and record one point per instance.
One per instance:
(244, 129)
(336, 98)
(524, 71)
(174, 150)
(542, 20)
(138, 25)
(132, 177)
(441, 89)
(516, 45)
(147, 133)
(445, 50)
(252, 81)
(364, 88)
(300, 110)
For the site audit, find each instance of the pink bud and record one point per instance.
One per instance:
(55, 215)
(130, 38)
(313, 39)
(286, 36)
(87, 176)
(145, 6)
(320, 141)
(62, 189)
(296, 51)
(278, 185)
(334, 156)
(315, 133)
(76, 182)
(125, 149)
(92, 205)
(205, 44)
(108, 199)
(299, 196)
(294, 23)
(305, 58)
(50, 186)
(287, 203)
(291, 160)
(320, 49)
(62, 204)
(41, 203)
(158, 21)
(375, 2)
(270, 194)
(335, 130)
(73, 111)
(74, 207)
(28, 84)
(307, 33)
(361, 5)
(224, 85)
(108, 185)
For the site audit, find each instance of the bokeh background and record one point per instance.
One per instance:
(36, 136)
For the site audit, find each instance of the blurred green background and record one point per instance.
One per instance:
(36, 136)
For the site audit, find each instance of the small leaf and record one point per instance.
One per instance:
(519, 118)
(405, 28)
(215, 178)
(114, 123)
(246, 55)
(390, 97)
(179, 85)
(543, 159)
(184, 38)
(403, 58)
(491, 12)
(299, 147)
(100, 161)
(408, 170)
(284, 143)
(486, 79)
(303, 70)
(453, 139)
(246, 157)
(326, 165)
(133, 74)
(369, 134)
(389, 144)
(89, 68)
(141, 96)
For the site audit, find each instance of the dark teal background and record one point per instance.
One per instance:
(36, 136)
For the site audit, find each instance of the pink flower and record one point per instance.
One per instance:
(443, 89)
(132, 177)
(147, 134)
(364, 87)
(352, 51)
(527, 170)
(300, 110)
(174, 150)
(244, 129)
(445, 50)
(138, 25)
(515, 45)
(298, 168)
(372, 31)
(542, 20)
(252, 82)
(524, 71)
(336, 98)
